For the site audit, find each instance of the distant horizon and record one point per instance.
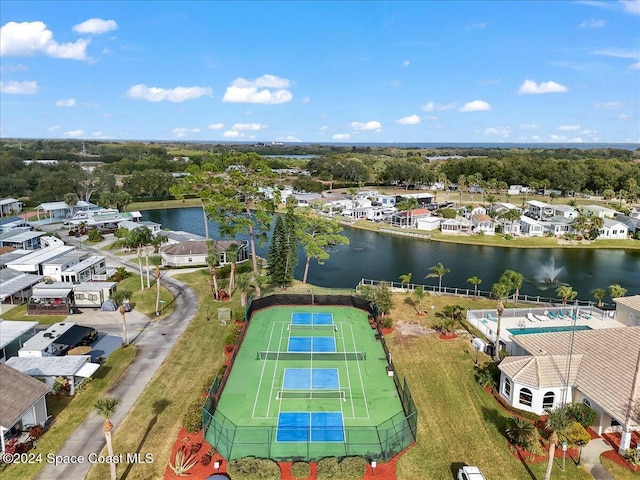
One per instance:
(365, 72)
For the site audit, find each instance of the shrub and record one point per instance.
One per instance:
(195, 447)
(205, 459)
(300, 470)
(583, 414)
(328, 469)
(183, 462)
(508, 236)
(238, 314)
(192, 420)
(633, 456)
(353, 468)
(230, 339)
(487, 374)
(574, 435)
(386, 322)
(36, 432)
(95, 236)
(251, 468)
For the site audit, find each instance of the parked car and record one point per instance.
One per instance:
(470, 473)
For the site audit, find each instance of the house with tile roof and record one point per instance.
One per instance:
(596, 367)
(22, 403)
(193, 253)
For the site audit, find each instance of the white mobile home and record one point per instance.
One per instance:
(33, 262)
(57, 340)
(613, 230)
(54, 268)
(91, 268)
(531, 227)
(10, 206)
(75, 368)
(23, 238)
(86, 294)
(13, 334)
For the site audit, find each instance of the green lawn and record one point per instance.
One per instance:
(618, 472)
(20, 313)
(144, 301)
(71, 416)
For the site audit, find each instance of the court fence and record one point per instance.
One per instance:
(380, 442)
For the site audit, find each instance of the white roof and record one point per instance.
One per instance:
(598, 208)
(12, 329)
(22, 237)
(529, 220)
(608, 223)
(42, 255)
(8, 201)
(51, 292)
(539, 204)
(50, 206)
(53, 366)
(39, 342)
(86, 263)
(16, 283)
(631, 302)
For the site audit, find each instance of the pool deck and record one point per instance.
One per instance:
(516, 319)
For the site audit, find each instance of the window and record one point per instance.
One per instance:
(93, 297)
(586, 402)
(547, 400)
(526, 397)
(190, 260)
(79, 296)
(507, 387)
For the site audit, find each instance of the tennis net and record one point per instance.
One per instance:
(311, 395)
(273, 355)
(313, 326)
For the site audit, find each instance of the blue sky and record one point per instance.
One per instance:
(476, 71)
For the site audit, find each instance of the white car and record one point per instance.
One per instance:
(470, 473)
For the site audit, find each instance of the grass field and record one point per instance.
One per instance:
(250, 400)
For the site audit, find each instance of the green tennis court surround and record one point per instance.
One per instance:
(255, 409)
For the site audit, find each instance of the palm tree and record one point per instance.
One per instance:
(131, 241)
(105, 408)
(599, 294)
(566, 293)
(420, 293)
(557, 421)
(243, 282)
(520, 431)
(232, 256)
(501, 291)
(406, 278)
(157, 242)
(213, 257)
(617, 291)
(475, 281)
(439, 271)
(123, 314)
(514, 279)
(156, 260)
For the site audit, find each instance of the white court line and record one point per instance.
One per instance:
(275, 368)
(355, 348)
(346, 365)
(264, 365)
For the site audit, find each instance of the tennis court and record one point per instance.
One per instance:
(309, 382)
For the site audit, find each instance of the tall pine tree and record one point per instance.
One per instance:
(277, 254)
(291, 244)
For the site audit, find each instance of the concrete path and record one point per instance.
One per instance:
(591, 459)
(154, 342)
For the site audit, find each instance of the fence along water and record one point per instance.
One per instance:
(380, 442)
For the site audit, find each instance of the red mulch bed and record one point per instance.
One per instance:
(613, 455)
(451, 336)
(387, 331)
(199, 471)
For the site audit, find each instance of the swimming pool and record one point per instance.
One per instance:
(527, 331)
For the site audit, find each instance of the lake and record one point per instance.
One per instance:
(385, 257)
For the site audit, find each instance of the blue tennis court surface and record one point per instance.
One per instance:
(311, 344)
(310, 426)
(308, 318)
(311, 379)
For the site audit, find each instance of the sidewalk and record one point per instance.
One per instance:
(591, 459)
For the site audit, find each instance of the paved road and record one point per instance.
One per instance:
(154, 342)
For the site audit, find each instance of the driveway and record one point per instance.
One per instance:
(154, 342)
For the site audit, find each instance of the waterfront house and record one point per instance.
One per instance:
(509, 228)
(628, 310)
(531, 227)
(476, 210)
(10, 206)
(541, 374)
(178, 236)
(194, 252)
(154, 228)
(613, 230)
(483, 224)
(566, 211)
(13, 334)
(498, 207)
(539, 210)
(428, 223)
(598, 211)
(22, 403)
(58, 211)
(409, 218)
(632, 223)
(455, 226)
(557, 226)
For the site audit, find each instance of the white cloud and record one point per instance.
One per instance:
(475, 106)
(267, 89)
(216, 126)
(13, 68)
(19, 88)
(195, 130)
(370, 125)
(75, 133)
(591, 23)
(498, 131)
(68, 102)
(288, 138)
(431, 106)
(621, 53)
(609, 105)
(232, 134)
(341, 136)
(55, 127)
(177, 94)
(179, 132)
(95, 26)
(247, 126)
(631, 6)
(30, 38)
(406, 63)
(410, 120)
(569, 128)
(323, 128)
(530, 87)
(529, 126)
(625, 116)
